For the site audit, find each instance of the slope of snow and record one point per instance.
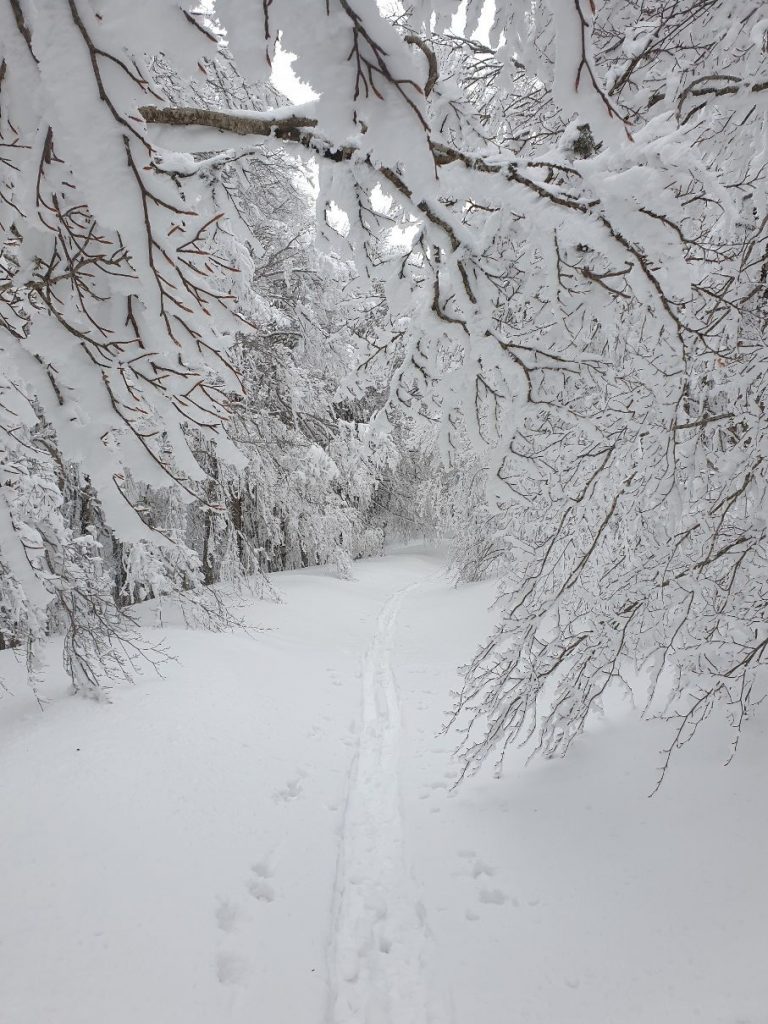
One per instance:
(268, 834)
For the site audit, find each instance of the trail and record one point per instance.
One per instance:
(378, 964)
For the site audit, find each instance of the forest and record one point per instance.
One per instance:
(287, 284)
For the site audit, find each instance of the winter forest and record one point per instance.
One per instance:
(384, 454)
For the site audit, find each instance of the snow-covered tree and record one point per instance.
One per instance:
(585, 278)
(568, 223)
(312, 462)
(109, 317)
(143, 298)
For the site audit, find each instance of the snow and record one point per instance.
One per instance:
(269, 834)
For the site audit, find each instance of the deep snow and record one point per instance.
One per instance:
(268, 835)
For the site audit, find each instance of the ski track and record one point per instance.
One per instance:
(378, 964)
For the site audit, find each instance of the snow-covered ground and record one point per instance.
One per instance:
(268, 835)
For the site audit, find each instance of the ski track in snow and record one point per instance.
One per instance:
(378, 970)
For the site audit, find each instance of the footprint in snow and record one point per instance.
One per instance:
(259, 886)
(227, 915)
(492, 896)
(261, 890)
(480, 868)
(230, 968)
(291, 790)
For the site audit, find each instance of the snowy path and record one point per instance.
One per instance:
(377, 968)
(268, 835)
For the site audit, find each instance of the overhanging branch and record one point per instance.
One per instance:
(302, 130)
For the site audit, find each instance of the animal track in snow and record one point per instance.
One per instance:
(227, 915)
(230, 968)
(261, 890)
(291, 790)
(492, 896)
(432, 789)
(259, 887)
(481, 872)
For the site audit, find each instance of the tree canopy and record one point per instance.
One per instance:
(541, 236)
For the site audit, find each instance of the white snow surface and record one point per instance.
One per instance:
(268, 835)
